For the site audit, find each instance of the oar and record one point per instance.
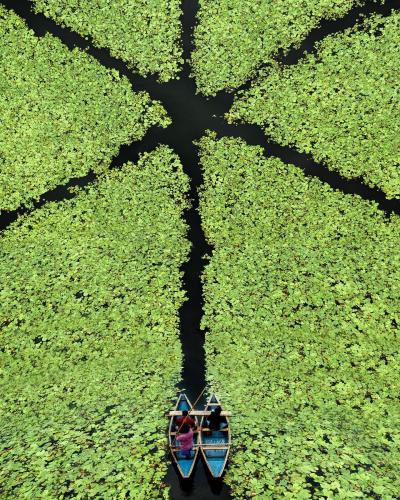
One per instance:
(193, 406)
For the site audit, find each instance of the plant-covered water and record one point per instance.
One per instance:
(192, 115)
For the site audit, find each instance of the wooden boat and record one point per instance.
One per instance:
(185, 465)
(215, 445)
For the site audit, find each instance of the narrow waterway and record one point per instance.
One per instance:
(192, 115)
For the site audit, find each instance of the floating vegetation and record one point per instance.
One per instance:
(234, 37)
(341, 105)
(302, 310)
(62, 113)
(302, 292)
(144, 33)
(89, 345)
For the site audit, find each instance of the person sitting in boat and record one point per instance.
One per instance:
(185, 419)
(214, 421)
(186, 440)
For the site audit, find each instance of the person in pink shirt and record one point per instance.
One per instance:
(186, 439)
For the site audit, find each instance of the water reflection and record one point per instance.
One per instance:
(200, 485)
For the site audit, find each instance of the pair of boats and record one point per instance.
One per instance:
(214, 445)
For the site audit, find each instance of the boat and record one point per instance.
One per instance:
(214, 445)
(185, 465)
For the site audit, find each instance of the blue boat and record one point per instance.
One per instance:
(215, 444)
(184, 464)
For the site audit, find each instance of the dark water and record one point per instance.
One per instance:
(191, 115)
(335, 26)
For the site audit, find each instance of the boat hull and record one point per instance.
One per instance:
(215, 444)
(185, 465)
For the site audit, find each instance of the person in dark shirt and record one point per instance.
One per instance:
(214, 421)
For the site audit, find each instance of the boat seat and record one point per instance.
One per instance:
(206, 429)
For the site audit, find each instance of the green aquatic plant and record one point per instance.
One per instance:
(301, 291)
(302, 316)
(62, 114)
(143, 33)
(89, 346)
(341, 105)
(234, 37)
